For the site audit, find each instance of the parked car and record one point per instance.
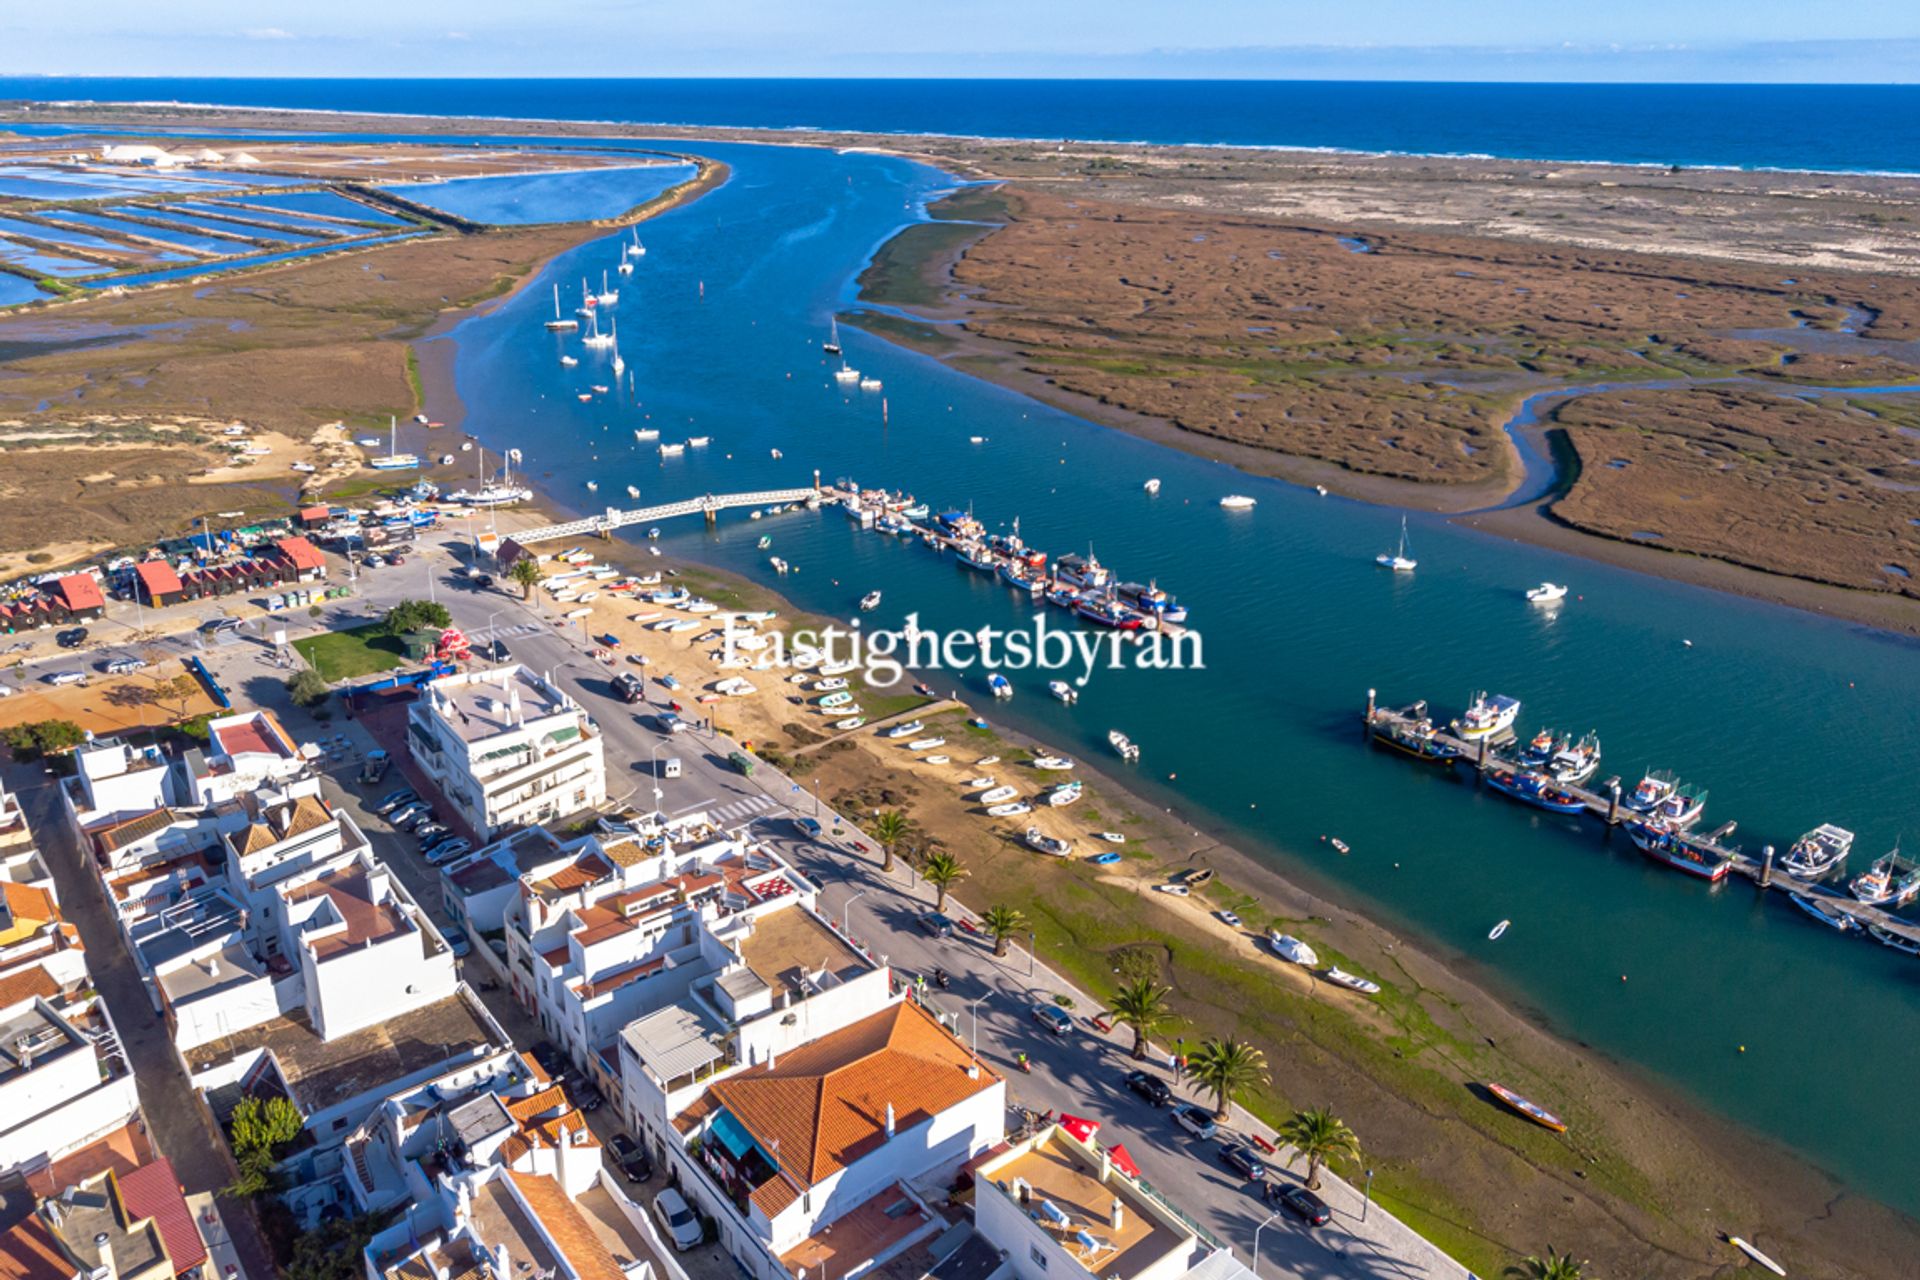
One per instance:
(409, 813)
(428, 832)
(631, 1157)
(457, 939)
(65, 677)
(374, 562)
(1149, 1086)
(447, 850)
(1053, 1018)
(404, 796)
(125, 666)
(1242, 1159)
(72, 638)
(936, 924)
(669, 682)
(677, 1220)
(1298, 1201)
(1197, 1121)
(628, 687)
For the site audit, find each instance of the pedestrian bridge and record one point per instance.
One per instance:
(709, 505)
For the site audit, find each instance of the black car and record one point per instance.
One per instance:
(551, 1060)
(72, 638)
(631, 1158)
(1300, 1202)
(628, 687)
(1150, 1087)
(1244, 1161)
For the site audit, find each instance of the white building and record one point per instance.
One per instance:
(245, 753)
(63, 1080)
(507, 746)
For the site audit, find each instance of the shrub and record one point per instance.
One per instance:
(306, 688)
(415, 615)
(43, 738)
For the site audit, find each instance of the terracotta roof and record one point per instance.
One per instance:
(25, 985)
(80, 591)
(825, 1103)
(352, 893)
(618, 978)
(254, 736)
(534, 1104)
(158, 576)
(582, 1248)
(308, 814)
(153, 1191)
(597, 924)
(578, 874)
(301, 553)
(29, 904)
(30, 1252)
(133, 830)
(534, 1069)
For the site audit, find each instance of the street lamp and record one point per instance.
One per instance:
(1030, 950)
(846, 914)
(973, 1009)
(1364, 1204)
(658, 795)
(1256, 1239)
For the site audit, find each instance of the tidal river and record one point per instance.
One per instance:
(1791, 721)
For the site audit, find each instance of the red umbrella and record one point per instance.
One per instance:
(1122, 1161)
(1081, 1129)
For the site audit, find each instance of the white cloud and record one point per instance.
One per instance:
(267, 33)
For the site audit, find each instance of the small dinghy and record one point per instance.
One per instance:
(1498, 929)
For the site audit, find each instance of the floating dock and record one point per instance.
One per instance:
(1604, 804)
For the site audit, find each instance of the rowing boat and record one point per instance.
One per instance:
(1528, 1108)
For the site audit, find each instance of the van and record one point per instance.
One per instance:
(672, 769)
(741, 761)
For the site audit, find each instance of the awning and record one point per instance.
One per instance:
(1123, 1161)
(729, 1134)
(1079, 1128)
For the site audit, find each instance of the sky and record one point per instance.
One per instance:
(1844, 41)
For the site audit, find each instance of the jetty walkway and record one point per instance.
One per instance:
(1604, 804)
(710, 505)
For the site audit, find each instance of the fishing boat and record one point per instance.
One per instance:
(978, 556)
(845, 374)
(1351, 981)
(1291, 949)
(1151, 486)
(1534, 789)
(559, 323)
(1043, 843)
(1012, 809)
(906, 730)
(1525, 1107)
(1063, 691)
(1002, 687)
(1669, 847)
(1540, 749)
(1021, 577)
(1105, 612)
(1082, 573)
(1890, 882)
(1826, 915)
(672, 450)
(1237, 502)
(1416, 736)
(1064, 794)
(998, 795)
(1818, 852)
(1398, 561)
(1683, 808)
(869, 602)
(1547, 593)
(1576, 763)
(832, 345)
(1053, 764)
(1487, 717)
(1888, 938)
(1123, 744)
(1652, 790)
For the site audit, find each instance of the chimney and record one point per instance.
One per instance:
(1106, 1165)
(104, 1247)
(889, 1119)
(463, 1201)
(1117, 1215)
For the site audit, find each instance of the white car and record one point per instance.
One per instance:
(676, 1219)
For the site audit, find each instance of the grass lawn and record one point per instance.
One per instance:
(342, 655)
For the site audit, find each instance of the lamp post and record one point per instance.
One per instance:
(658, 795)
(1367, 1203)
(493, 641)
(973, 1009)
(846, 914)
(1256, 1239)
(1030, 952)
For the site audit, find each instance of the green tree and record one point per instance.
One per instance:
(259, 1130)
(889, 828)
(1322, 1137)
(526, 572)
(415, 615)
(1556, 1266)
(1142, 1005)
(1003, 923)
(332, 1251)
(1227, 1066)
(941, 871)
(306, 688)
(43, 738)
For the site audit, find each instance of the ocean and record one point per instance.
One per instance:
(1863, 128)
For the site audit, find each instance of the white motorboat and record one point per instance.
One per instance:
(999, 795)
(869, 602)
(1237, 502)
(644, 434)
(633, 491)
(851, 722)
(906, 730)
(829, 685)
(1063, 691)
(1398, 561)
(1152, 486)
(1043, 843)
(1113, 837)
(593, 486)
(672, 450)
(926, 744)
(1174, 890)
(699, 442)
(1487, 717)
(779, 565)
(1818, 852)
(869, 384)
(1011, 810)
(1547, 593)
(735, 687)
(1054, 763)
(1291, 949)
(1001, 686)
(976, 784)
(1351, 981)
(844, 374)
(1064, 794)
(1123, 744)
(559, 323)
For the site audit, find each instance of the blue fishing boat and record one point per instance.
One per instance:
(1417, 738)
(1536, 790)
(1676, 851)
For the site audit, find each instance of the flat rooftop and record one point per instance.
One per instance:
(787, 944)
(371, 913)
(232, 965)
(481, 706)
(499, 1219)
(324, 1073)
(866, 1231)
(1069, 1181)
(29, 1036)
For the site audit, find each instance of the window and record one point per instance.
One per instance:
(1039, 1258)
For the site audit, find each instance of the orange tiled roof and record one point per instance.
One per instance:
(577, 874)
(121, 834)
(825, 1103)
(28, 904)
(31, 1252)
(590, 1258)
(25, 985)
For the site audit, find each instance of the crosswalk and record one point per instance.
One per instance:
(737, 810)
(506, 632)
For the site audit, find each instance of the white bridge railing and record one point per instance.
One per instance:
(614, 518)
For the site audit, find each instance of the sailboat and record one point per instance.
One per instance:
(559, 323)
(1398, 561)
(587, 303)
(595, 338)
(607, 295)
(636, 249)
(832, 345)
(395, 460)
(619, 365)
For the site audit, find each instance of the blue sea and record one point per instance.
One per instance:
(1819, 127)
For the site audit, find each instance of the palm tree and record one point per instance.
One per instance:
(1142, 1005)
(1227, 1067)
(1320, 1136)
(1557, 1266)
(889, 829)
(940, 871)
(526, 571)
(1003, 923)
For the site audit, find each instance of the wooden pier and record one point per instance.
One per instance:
(1480, 755)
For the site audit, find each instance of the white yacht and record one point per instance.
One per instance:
(1063, 691)
(559, 323)
(1123, 744)
(1153, 485)
(607, 295)
(832, 345)
(1236, 502)
(1547, 593)
(1290, 948)
(1398, 561)
(845, 374)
